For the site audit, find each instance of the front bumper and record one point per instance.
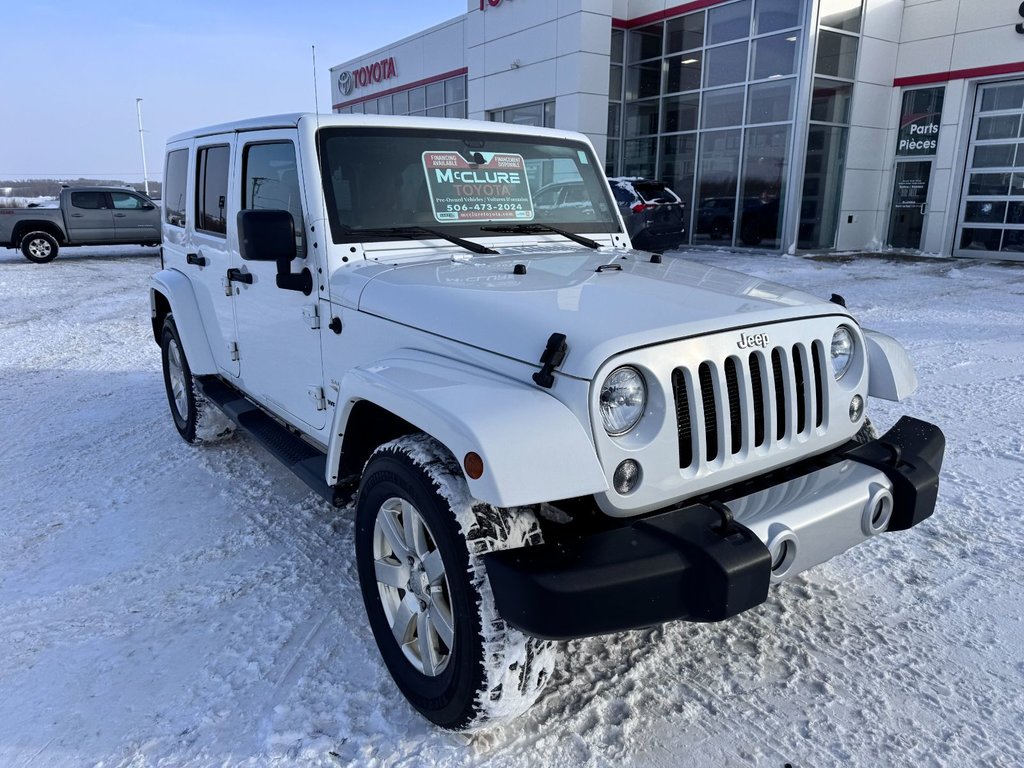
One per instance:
(697, 564)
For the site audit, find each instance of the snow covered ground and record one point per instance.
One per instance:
(165, 605)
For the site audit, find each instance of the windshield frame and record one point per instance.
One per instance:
(343, 233)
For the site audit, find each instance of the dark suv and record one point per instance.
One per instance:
(655, 216)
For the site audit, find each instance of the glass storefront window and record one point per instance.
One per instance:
(988, 184)
(642, 118)
(643, 80)
(680, 113)
(726, 65)
(678, 165)
(454, 90)
(617, 43)
(729, 22)
(772, 15)
(400, 102)
(615, 83)
(841, 14)
(417, 100)
(639, 156)
(1000, 127)
(830, 101)
(685, 33)
(723, 107)
(770, 102)
(774, 56)
(384, 104)
(645, 43)
(985, 212)
(683, 72)
(435, 94)
(837, 55)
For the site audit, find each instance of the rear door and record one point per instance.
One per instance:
(135, 220)
(89, 218)
(278, 330)
(208, 245)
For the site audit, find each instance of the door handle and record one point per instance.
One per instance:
(77, 215)
(238, 276)
(120, 215)
(924, 208)
(195, 258)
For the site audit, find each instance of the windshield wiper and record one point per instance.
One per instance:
(412, 233)
(530, 229)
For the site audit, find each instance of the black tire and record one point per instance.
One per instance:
(195, 418)
(489, 672)
(39, 247)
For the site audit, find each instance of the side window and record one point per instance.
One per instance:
(271, 181)
(126, 202)
(175, 183)
(212, 189)
(91, 201)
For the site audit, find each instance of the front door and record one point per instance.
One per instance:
(909, 203)
(278, 330)
(135, 220)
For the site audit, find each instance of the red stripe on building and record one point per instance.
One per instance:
(959, 74)
(400, 88)
(668, 13)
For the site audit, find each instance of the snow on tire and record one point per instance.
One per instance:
(196, 418)
(489, 673)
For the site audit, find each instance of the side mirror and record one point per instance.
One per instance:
(267, 235)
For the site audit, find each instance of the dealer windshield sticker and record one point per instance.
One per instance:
(494, 188)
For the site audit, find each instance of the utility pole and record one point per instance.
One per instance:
(142, 143)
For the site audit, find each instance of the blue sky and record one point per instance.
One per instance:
(74, 68)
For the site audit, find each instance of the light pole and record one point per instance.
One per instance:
(142, 143)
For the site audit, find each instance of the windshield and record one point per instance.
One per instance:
(458, 182)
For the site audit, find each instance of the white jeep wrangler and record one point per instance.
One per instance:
(552, 435)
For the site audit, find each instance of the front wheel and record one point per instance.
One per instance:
(419, 538)
(39, 247)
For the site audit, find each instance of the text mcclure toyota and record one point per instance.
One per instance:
(553, 435)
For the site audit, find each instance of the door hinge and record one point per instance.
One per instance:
(312, 316)
(316, 394)
(233, 350)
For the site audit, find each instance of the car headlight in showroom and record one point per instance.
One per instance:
(843, 347)
(623, 399)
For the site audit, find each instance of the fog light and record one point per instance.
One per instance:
(856, 408)
(627, 477)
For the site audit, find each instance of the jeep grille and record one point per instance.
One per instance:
(748, 401)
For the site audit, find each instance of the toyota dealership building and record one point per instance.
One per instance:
(783, 124)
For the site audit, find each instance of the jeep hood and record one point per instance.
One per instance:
(629, 303)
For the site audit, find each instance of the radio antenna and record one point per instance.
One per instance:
(316, 93)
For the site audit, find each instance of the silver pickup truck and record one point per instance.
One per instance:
(86, 216)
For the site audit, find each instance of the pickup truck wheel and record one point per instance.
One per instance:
(419, 541)
(39, 247)
(195, 418)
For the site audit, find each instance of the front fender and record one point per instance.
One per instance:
(177, 290)
(533, 448)
(890, 372)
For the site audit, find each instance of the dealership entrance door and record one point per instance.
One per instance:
(909, 203)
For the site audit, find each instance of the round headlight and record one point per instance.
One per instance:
(623, 399)
(842, 351)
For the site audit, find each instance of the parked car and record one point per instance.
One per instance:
(655, 216)
(85, 216)
(551, 435)
(715, 216)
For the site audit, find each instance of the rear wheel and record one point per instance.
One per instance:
(419, 541)
(195, 418)
(39, 247)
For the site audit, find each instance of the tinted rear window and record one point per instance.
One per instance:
(655, 192)
(175, 180)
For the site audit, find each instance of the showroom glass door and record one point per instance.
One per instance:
(909, 203)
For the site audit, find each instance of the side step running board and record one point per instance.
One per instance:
(306, 461)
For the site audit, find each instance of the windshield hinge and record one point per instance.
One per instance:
(316, 394)
(312, 316)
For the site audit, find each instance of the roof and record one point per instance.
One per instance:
(392, 121)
